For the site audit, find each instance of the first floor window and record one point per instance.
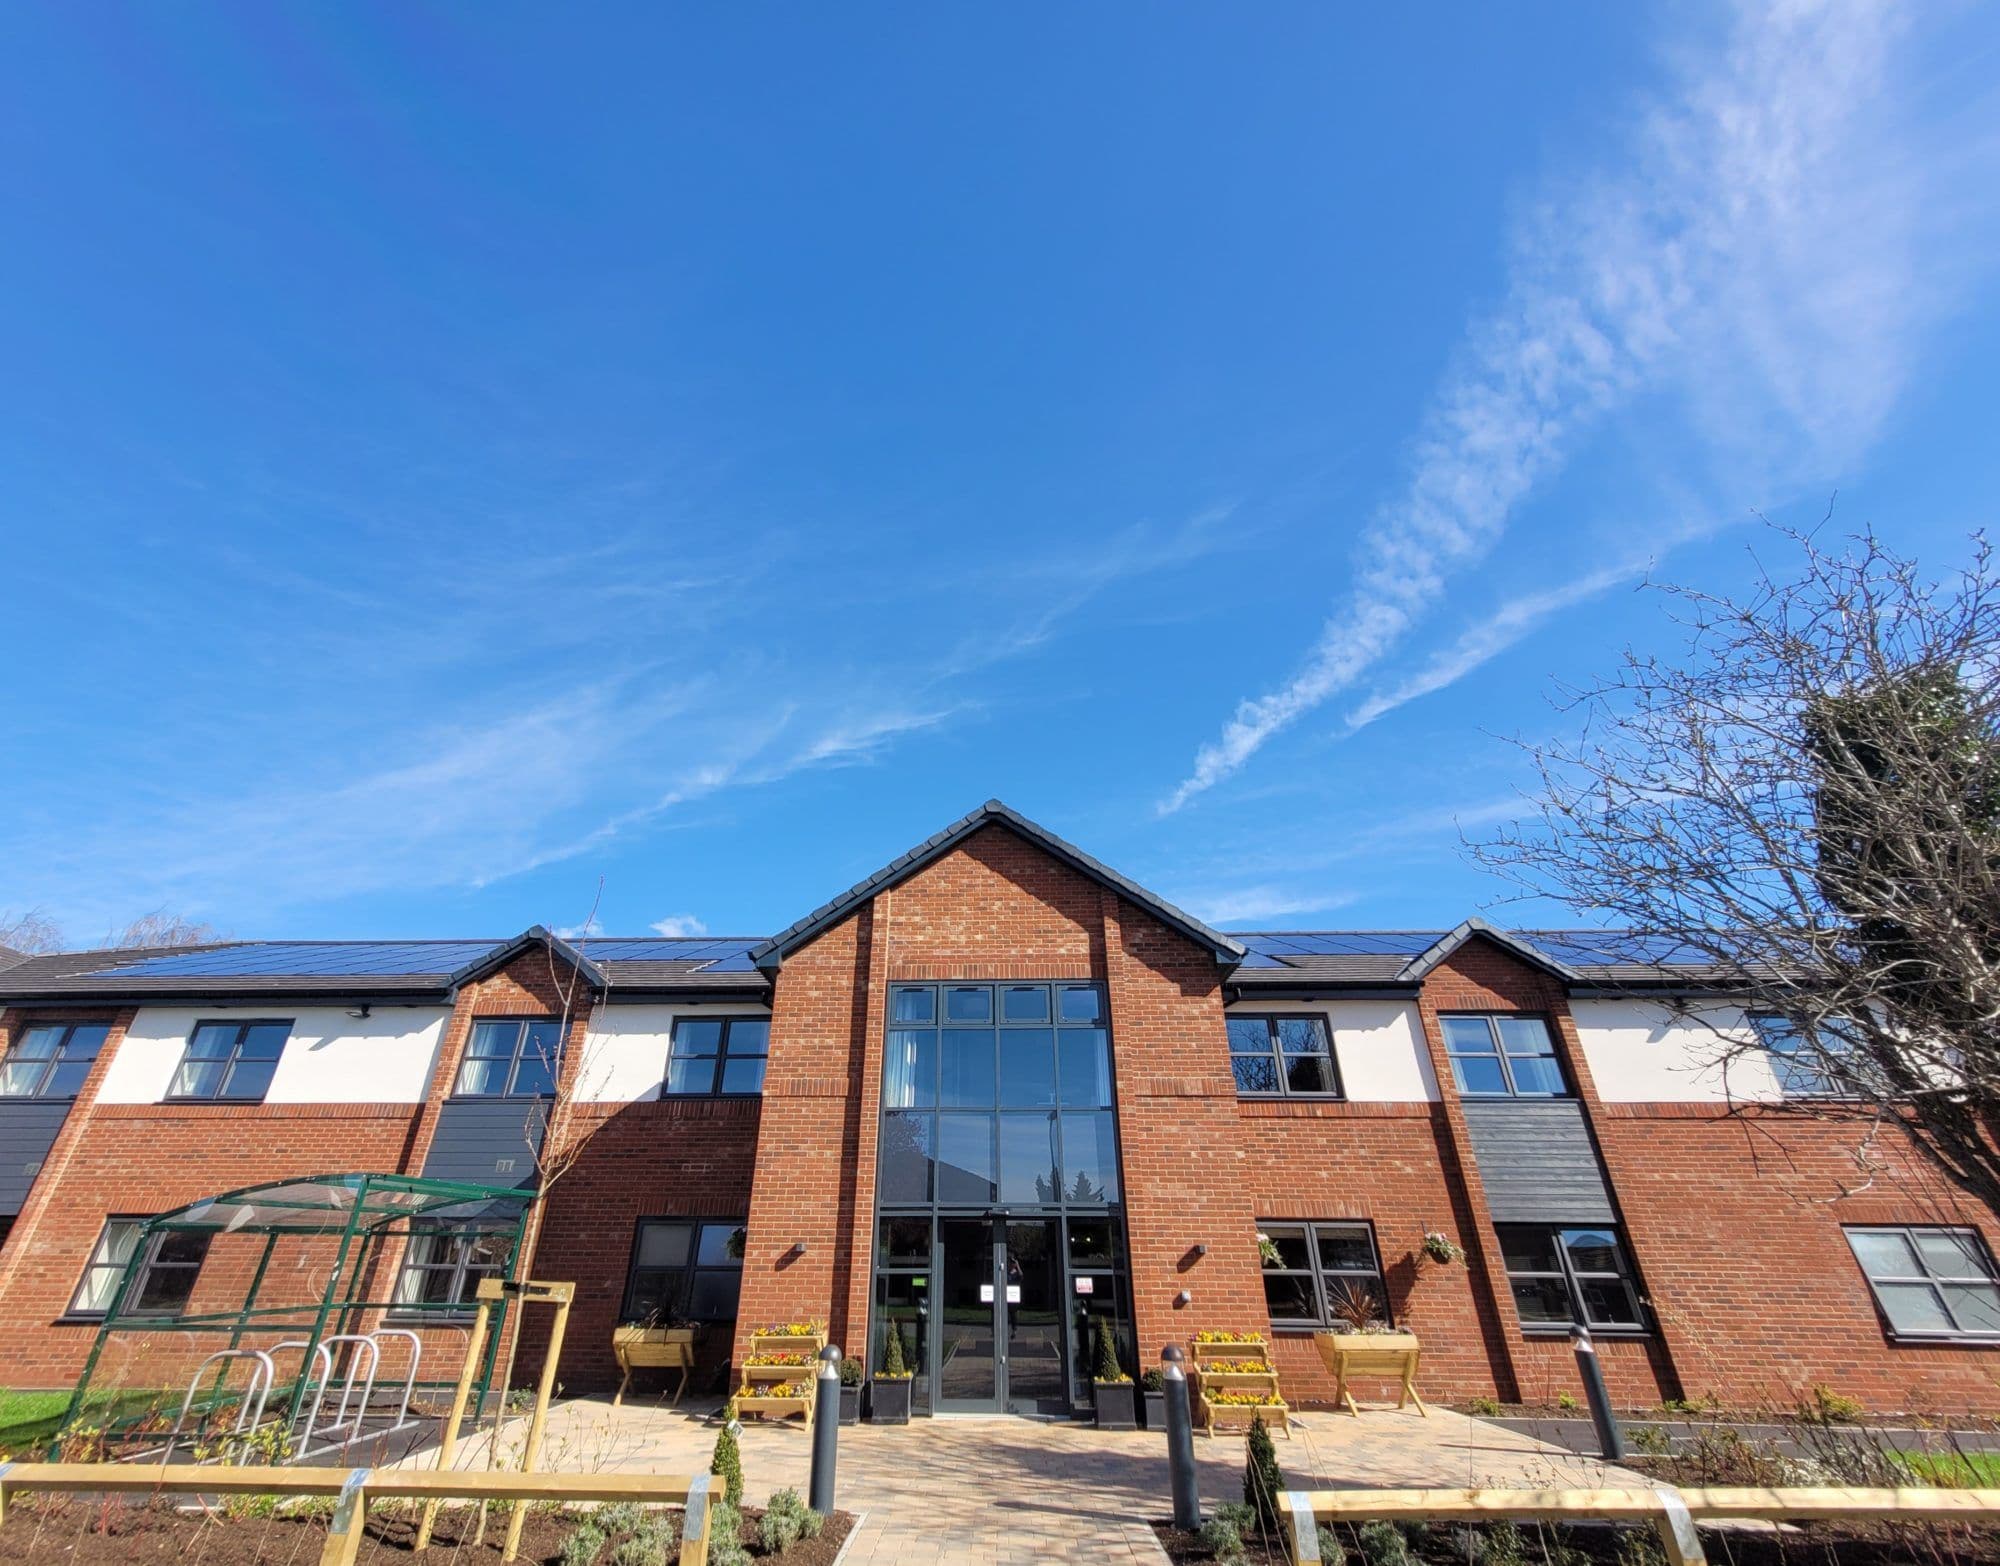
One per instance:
(718, 1055)
(51, 1059)
(164, 1282)
(1501, 1056)
(230, 1060)
(685, 1269)
(1282, 1055)
(1930, 1281)
(442, 1265)
(1805, 1067)
(1321, 1274)
(1562, 1276)
(511, 1058)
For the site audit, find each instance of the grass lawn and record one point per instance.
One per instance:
(28, 1420)
(1954, 1470)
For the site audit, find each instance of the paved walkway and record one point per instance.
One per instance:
(1012, 1492)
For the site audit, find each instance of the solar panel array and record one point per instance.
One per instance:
(715, 954)
(308, 959)
(1597, 947)
(1270, 948)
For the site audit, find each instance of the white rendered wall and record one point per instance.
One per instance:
(625, 1051)
(1377, 1045)
(331, 1058)
(1643, 1052)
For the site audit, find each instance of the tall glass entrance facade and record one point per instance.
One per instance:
(999, 1239)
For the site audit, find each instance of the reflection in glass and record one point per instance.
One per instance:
(1089, 1157)
(1086, 1068)
(965, 1158)
(1027, 1067)
(966, 1070)
(1028, 1164)
(908, 1143)
(909, 1069)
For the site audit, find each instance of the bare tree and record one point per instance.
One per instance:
(32, 933)
(1805, 808)
(35, 933)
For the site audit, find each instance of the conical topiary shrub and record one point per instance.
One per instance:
(1262, 1478)
(727, 1464)
(1108, 1368)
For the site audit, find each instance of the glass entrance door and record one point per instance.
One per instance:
(968, 1325)
(1032, 1301)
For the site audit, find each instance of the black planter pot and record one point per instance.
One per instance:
(850, 1404)
(1117, 1406)
(889, 1400)
(1156, 1410)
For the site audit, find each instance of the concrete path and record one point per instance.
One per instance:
(1011, 1492)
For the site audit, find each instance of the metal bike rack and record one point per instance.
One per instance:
(318, 1387)
(248, 1415)
(409, 1381)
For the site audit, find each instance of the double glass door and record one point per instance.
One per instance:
(1001, 1321)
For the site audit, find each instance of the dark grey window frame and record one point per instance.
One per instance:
(59, 1056)
(721, 1058)
(1493, 1019)
(460, 1235)
(147, 1267)
(521, 1026)
(1641, 1325)
(1932, 1279)
(687, 1271)
(1322, 1276)
(1275, 1052)
(1798, 1076)
(229, 1062)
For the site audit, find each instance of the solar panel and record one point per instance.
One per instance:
(308, 959)
(709, 950)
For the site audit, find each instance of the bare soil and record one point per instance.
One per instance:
(44, 1532)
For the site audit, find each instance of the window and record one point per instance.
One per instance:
(1318, 1266)
(442, 1265)
(1805, 1067)
(512, 1058)
(162, 1285)
(1561, 1276)
(1503, 1057)
(714, 1055)
(685, 1269)
(51, 1059)
(1281, 1055)
(1930, 1282)
(230, 1060)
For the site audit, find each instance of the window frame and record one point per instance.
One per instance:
(59, 1056)
(1788, 1065)
(1275, 1053)
(687, 1271)
(458, 1237)
(1320, 1275)
(720, 1059)
(1641, 1324)
(1934, 1280)
(521, 1026)
(230, 1061)
(1500, 1053)
(82, 1313)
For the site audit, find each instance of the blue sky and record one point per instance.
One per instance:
(450, 455)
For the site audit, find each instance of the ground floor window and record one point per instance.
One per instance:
(443, 1264)
(685, 1269)
(163, 1284)
(1561, 1276)
(1321, 1273)
(1929, 1281)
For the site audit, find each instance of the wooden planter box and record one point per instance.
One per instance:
(1237, 1416)
(652, 1348)
(786, 1343)
(1385, 1356)
(1207, 1351)
(753, 1405)
(1239, 1380)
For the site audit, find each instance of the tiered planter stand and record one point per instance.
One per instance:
(1256, 1374)
(759, 1396)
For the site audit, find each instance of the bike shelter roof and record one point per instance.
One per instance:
(331, 1203)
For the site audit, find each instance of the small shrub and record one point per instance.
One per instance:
(1829, 1407)
(1565, 1400)
(1108, 1368)
(1503, 1546)
(1651, 1441)
(1331, 1551)
(1640, 1547)
(1383, 1544)
(850, 1372)
(640, 1549)
(1484, 1406)
(725, 1537)
(1221, 1538)
(1469, 1545)
(727, 1465)
(584, 1544)
(619, 1517)
(893, 1367)
(1240, 1517)
(1263, 1479)
(787, 1519)
(1154, 1380)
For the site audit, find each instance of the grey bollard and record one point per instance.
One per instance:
(1610, 1440)
(1180, 1443)
(826, 1431)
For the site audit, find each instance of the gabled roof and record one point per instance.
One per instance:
(1421, 964)
(1228, 951)
(535, 935)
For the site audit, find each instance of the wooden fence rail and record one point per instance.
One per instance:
(1671, 1512)
(354, 1488)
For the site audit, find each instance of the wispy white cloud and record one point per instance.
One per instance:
(679, 925)
(1758, 254)
(1248, 904)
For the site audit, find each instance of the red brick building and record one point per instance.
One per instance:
(994, 1093)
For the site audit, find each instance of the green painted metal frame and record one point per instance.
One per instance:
(442, 1195)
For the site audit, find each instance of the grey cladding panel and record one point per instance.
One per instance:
(28, 1128)
(1536, 1161)
(486, 1141)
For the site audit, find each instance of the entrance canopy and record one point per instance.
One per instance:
(337, 1203)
